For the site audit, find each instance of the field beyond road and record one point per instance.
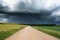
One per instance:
(7, 30)
(51, 30)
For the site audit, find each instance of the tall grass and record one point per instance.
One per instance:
(7, 30)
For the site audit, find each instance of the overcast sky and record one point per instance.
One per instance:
(33, 5)
(37, 4)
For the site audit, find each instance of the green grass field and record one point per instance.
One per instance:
(51, 30)
(7, 30)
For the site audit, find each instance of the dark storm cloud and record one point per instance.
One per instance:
(30, 19)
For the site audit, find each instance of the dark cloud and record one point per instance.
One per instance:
(30, 19)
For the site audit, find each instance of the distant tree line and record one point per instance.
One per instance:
(41, 24)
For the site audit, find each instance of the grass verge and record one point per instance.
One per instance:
(51, 30)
